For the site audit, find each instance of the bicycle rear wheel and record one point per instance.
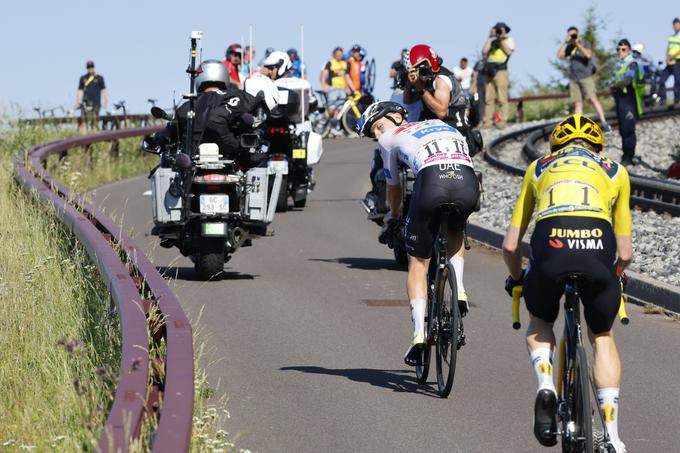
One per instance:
(581, 412)
(448, 329)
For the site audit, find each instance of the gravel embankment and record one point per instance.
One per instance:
(655, 236)
(657, 142)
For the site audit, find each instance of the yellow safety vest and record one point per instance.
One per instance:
(497, 55)
(674, 47)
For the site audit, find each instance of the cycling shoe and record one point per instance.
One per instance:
(545, 418)
(414, 355)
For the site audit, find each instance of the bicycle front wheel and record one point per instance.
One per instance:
(448, 329)
(349, 122)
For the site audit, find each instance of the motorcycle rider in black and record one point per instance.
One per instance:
(222, 112)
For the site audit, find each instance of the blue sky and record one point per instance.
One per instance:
(141, 48)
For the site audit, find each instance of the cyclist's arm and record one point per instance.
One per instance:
(391, 166)
(438, 103)
(323, 79)
(622, 221)
(349, 84)
(105, 98)
(521, 216)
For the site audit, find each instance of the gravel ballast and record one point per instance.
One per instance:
(655, 236)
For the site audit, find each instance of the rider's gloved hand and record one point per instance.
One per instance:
(510, 283)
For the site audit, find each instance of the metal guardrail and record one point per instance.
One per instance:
(107, 122)
(136, 287)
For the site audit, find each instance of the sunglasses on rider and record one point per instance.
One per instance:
(621, 49)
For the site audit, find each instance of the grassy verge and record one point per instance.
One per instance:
(86, 375)
(59, 344)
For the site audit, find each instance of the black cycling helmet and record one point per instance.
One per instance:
(376, 111)
(234, 49)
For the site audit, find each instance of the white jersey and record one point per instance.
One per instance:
(420, 145)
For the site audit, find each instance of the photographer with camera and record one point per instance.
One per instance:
(581, 74)
(438, 89)
(497, 51)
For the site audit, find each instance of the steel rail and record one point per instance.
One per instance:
(136, 287)
(646, 193)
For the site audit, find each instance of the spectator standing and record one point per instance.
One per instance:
(234, 56)
(92, 95)
(628, 97)
(356, 67)
(297, 69)
(247, 67)
(463, 73)
(497, 51)
(398, 72)
(477, 90)
(581, 70)
(672, 66)
(335, 81)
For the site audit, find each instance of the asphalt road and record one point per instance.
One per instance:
(309, 328)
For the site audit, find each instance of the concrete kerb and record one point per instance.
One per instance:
(640, 290)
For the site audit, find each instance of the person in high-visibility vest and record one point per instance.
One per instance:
(627, 89)
(672, 66)
(497, 51)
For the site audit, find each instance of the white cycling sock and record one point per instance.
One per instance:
(609, 405)
(541, 360)
(418, 316)
(458, 263)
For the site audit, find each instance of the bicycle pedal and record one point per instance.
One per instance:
(461, 341)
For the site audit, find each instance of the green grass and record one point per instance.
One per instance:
(59, 347)
(57, 332)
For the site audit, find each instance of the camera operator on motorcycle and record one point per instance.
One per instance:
(279, 67)
(437, 154)
(221, 113)
(440, 92)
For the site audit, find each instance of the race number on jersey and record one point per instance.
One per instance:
(420, 145)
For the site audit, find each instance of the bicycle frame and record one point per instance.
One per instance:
(572, 339)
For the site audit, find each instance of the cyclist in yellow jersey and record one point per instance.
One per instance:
(581, 202)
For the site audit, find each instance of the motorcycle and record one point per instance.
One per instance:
(204, 206)
(293, 148)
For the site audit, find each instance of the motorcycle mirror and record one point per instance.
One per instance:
(149, 148)
(159, 113)
(249, 140)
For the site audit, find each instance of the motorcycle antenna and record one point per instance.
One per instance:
(193, 73)
(302, 67)
(250, 50)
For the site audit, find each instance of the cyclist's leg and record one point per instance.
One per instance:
(419, 233)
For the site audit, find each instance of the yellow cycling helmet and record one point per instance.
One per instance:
(576, 127)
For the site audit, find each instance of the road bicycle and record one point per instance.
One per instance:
(344, 120)
(443, 321)
(575, 382)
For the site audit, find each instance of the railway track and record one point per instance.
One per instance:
(660, 195)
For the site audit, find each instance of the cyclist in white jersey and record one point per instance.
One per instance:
(438, 156)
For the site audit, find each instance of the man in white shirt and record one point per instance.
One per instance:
(463, 74)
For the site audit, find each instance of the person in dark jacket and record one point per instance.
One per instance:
(222, 112)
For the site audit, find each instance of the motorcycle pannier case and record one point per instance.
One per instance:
(256, 195)
(166, 207)
(314, 148)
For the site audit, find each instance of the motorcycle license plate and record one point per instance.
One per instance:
(299, 153)
(214, 204)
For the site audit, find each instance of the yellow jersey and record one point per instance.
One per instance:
(337, 69)
(575, 182)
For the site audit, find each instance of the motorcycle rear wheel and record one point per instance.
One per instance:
(209, 263)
